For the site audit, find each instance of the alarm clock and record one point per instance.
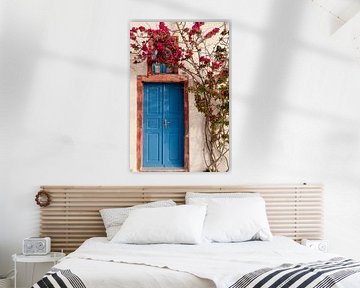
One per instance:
(36, 246)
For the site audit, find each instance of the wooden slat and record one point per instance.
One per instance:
(73, 216)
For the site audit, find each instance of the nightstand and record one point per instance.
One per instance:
(320, 245)
(53, 257)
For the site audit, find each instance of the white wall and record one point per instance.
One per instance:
(64, 87)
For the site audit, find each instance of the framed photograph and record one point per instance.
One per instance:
(179, 96)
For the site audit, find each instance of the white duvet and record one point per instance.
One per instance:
(100, 263)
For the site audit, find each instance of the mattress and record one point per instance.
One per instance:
(99, 263)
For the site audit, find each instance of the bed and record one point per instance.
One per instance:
(99, 263)
(293, 210)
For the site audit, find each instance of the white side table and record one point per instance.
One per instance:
(53, 257)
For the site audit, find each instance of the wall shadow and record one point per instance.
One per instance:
(19, 54)
(269, 95)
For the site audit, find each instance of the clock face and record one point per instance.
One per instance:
(36, 246)
(40, 245)
(322, 247)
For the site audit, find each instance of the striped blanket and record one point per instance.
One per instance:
(57, 278)
(320, 274)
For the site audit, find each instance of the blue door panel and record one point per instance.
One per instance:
(153, 101)
(152, 126)
(175, 101)
(174, 147)
(173, 152)
(163, 132)
(154, 148)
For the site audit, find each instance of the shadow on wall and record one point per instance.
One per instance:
(266, 102)
(20, 42)
(20, 50)
(337, 150)
(21, 36)
(281, 13)
(24, 28)
(268, 96)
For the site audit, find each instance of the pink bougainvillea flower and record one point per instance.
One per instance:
(215, 65)
(163, 27)
(211, 33)
(204, 59)
(144, 47)
(160, 47)
(195, 29)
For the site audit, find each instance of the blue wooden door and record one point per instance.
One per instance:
(163, 125)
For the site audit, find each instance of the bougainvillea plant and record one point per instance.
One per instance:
(155, 45)
(204, 55)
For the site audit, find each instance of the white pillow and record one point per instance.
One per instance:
(236, 220)
(204, 198)
(180, 224)
(113, 218)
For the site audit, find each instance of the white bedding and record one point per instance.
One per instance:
(100, 263)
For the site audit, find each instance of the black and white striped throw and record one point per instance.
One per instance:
(57, 278)
(320, 274)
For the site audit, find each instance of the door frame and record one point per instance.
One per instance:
(160, 78)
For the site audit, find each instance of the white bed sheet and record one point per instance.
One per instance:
(108, 274)
(101, 274)
(100, 263)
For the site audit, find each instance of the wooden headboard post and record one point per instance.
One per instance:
(73, 216)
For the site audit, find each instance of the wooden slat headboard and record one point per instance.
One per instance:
(73, 215)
